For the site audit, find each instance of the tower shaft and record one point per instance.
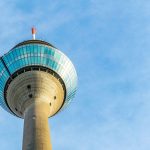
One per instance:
(36, 129)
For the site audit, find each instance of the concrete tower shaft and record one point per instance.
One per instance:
(36, 129)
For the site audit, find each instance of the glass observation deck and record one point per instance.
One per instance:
(37, 53)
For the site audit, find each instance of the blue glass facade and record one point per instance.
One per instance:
(43, 55)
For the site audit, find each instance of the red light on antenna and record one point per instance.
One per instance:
(33, 30)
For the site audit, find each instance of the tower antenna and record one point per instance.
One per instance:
(33, 33)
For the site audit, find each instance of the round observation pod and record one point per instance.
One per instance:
(35, 70)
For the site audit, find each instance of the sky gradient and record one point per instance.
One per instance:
(109, 43)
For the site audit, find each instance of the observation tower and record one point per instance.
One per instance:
(36, 82)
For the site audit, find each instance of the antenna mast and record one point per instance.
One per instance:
(33, 33)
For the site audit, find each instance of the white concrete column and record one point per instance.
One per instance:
(36, 129)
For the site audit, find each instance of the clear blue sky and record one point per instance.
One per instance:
(109, 43)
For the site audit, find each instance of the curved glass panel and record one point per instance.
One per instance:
(4, 76)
